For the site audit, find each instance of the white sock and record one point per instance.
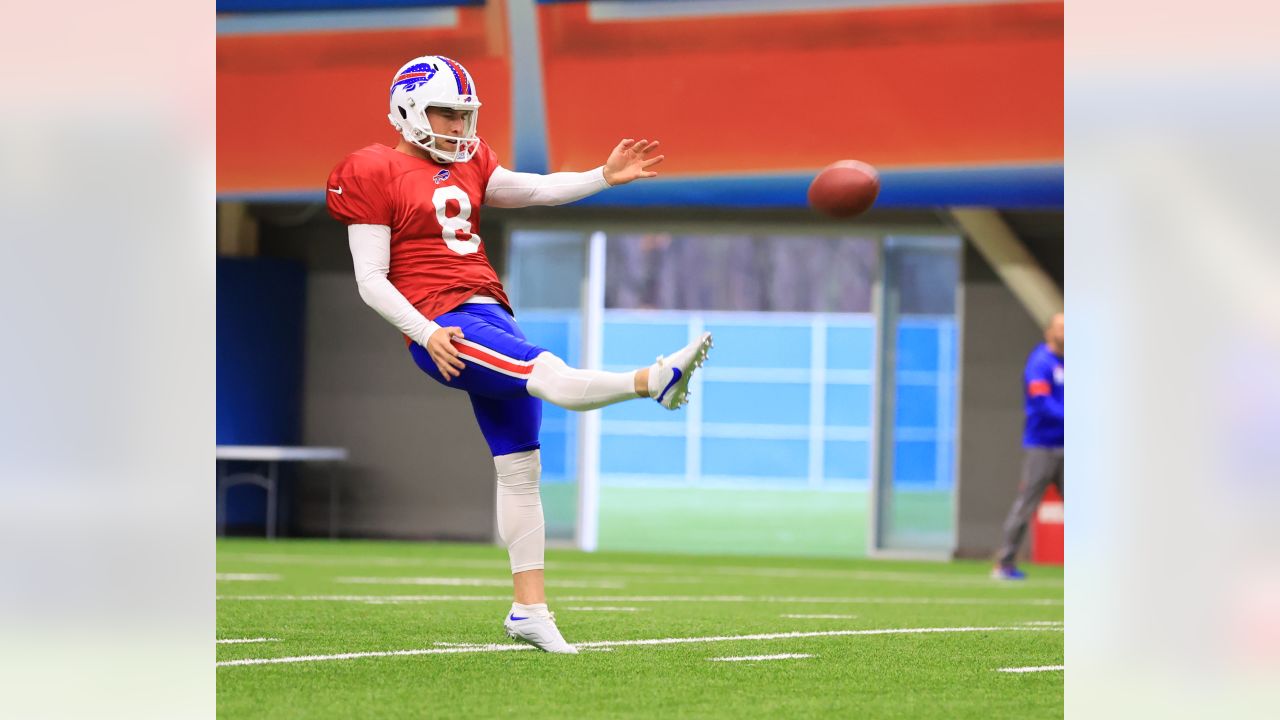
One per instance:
(576, 389)
(654, 380)
(538, 610)
(520, 521)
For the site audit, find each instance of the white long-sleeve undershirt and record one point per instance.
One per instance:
(371, 253)
(509, 189)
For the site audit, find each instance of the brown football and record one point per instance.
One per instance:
(844, 188)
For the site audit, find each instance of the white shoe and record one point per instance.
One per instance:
(540, 632)
(674, 373)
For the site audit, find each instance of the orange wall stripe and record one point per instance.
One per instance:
(934, 86)
(291, 106)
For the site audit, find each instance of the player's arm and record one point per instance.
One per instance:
(630, 160)
(371, 253)
(1039, 385)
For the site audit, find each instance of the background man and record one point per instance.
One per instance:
(1042, 440)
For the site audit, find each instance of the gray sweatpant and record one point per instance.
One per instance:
(1040, 466)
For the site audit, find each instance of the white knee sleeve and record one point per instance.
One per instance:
(520, 523)
(575, 389)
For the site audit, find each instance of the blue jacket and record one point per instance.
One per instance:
(1042, 390)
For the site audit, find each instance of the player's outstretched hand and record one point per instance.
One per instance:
(631, 160)
(440, 347)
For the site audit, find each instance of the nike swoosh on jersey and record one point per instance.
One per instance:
(675, 378)
(336, 192)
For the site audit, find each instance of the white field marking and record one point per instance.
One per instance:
(248, 577)
(622, 643)
(820, 617)
(232, 641)
(668, 580)
(342, 561)
(475, 582)
(494, 647)
(671, 571)
(658, 598)
(604, 608)
(479, 645)
(783, 656)
(1043, 622)
(1042, 668)
(371, 599)
(775, 572)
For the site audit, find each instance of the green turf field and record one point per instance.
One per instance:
(751, 521)
(423, 625)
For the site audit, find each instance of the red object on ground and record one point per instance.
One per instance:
(1047, 529)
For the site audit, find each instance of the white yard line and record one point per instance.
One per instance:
(672, 571)
(660, 598)
(1042, 668)
(389, 653)
(357, 561)
(603, 609)
(475, 582)
(471, 582)
(783, 656)
(1043, 622)
(819, 617)
(451, 650)
(977, 580)
(233, 641)
(479, 645)
(790, 635)
(248, 577)
(372, 599)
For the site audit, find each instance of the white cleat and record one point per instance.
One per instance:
(539, 632)
(675, 372)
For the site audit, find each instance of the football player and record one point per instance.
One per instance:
(412, 213)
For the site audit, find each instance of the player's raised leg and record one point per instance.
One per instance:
(666, 381)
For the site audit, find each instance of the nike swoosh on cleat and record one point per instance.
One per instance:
(513, 617)
(675, 378)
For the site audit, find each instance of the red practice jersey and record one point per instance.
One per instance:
(437, 259)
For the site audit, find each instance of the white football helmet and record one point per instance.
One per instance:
(434, 80)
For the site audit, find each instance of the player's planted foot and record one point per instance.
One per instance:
(1007, 572)
(669, 377)
(538, 628)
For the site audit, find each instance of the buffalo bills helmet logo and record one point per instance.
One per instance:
(413, 76)
(440, 177)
